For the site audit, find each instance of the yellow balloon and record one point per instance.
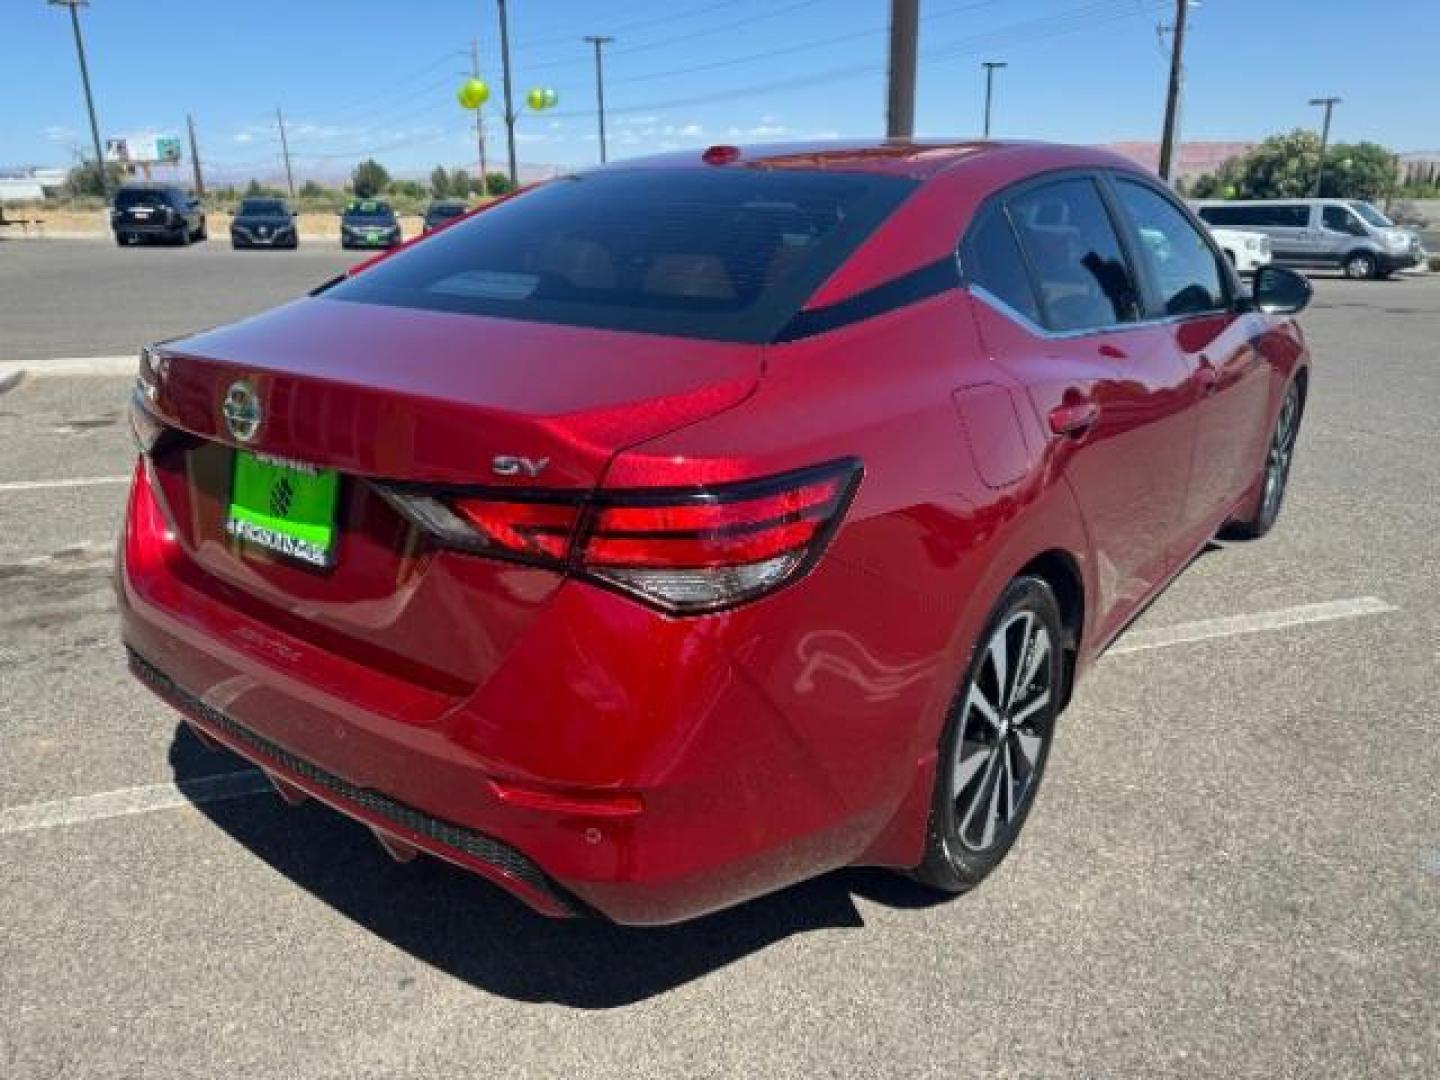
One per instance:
(473, 93)
(536, 99)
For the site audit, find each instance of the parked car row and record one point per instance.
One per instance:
(143, 212)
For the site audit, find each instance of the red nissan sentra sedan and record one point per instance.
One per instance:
(674, 532)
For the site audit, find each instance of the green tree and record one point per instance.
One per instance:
(459, 183)
(1281, 167)
(369, 178)
(497, 183)
(1363, 170)
(1284, 167)
(311, 190)
(84, 178)
(440, 182)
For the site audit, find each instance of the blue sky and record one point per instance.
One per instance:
(363, 77)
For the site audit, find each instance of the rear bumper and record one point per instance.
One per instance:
(696, 793)
(150, 229)
(454, 843)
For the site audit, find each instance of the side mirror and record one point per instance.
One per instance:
(1278, 290)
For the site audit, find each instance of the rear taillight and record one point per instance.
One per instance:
(685, 551)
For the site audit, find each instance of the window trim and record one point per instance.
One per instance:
(1003, 196)
(1154, 301)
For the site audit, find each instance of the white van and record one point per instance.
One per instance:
(1345, 233)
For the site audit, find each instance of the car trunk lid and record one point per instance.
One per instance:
(379, 395)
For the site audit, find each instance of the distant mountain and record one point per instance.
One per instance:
(1194, 158)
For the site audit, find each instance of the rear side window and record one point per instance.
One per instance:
(991, 259)
(1269, 215)
(1079, 266)
(727, 254)
(1182, 265)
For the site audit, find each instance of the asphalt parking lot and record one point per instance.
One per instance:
(1234, 867)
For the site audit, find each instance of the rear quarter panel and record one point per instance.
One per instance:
(861, 658)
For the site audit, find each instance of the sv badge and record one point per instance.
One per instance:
(513, 465)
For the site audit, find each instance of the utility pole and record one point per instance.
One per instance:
(990, 66)
(195, 157)
(1172, 96)
(509, 100)
(904, 38)
(598, 42)
(74, 5)
(285, 149)
(1328, 103)
(479, 112)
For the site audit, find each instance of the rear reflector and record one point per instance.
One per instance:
(685, 551)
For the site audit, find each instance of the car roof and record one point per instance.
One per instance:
(918, 159)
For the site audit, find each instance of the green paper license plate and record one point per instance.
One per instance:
(286, 507)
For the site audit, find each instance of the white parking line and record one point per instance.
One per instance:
(135, 800)
(75, 482)
(73, 366)
(1232, 625)
(235, 785)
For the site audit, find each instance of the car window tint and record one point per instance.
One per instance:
(1078, 263)
(1338, 219)
(1182, 265)
(128, 197)
(726, 254)
(1259, 215)
(991, 259)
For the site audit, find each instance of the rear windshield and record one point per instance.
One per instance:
(377, 211)
(447, 210)
(263, 206)
(725, 254)
(127, 197)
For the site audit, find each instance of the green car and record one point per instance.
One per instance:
(369, 223)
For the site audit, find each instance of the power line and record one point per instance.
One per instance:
(680, 38)
(804, 46)
(724, 5)
(1018, 34)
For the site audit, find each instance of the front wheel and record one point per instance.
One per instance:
(1360, 265)
(996, 739)
(1278, 456)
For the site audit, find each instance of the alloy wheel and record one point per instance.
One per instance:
(1282, 451)
(1004, 725)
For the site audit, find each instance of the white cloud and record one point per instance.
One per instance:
(58, 133)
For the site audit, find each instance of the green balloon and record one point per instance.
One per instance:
(536, 99)
(473, 93)
(551, 98)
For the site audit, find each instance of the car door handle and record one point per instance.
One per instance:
(1208, 376)
(1076, 416)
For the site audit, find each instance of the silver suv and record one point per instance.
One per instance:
(1347, 233)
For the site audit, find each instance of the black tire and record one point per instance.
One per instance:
(1361, 266)
(1279, 454)
(183, 236)
(121, 240)
(970, 832)
(203, 233)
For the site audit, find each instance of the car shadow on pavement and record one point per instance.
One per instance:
(472, 930)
